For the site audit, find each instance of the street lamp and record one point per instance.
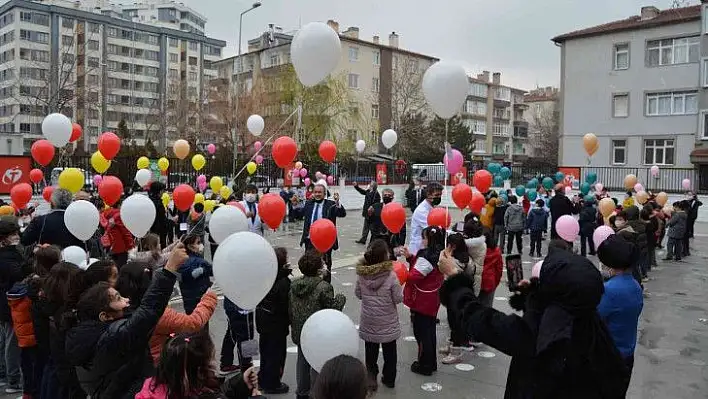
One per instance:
(238, 82)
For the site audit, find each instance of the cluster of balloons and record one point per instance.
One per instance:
(500, 173)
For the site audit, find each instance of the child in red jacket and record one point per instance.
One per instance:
(492, 271)
(421, 296)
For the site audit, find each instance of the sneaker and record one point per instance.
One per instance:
(454, 357)
(422, 370)
(372, 384)
(445, 349)
(230, 369)
(282, 389)
(13, 388)
(645, 279)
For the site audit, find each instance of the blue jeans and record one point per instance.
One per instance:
(10, 361)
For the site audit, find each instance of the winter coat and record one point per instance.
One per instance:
(379, 230)
(272, 312)
(487, 216)
(499, 213)
(370, 198)
(526, 204)
(420, 293)
(640, 228)
(677, 225)
(173, 321)
(49, 229)
(652, 227)
(120, 238)
(477, 249)
(233, 388)
(537, 221)
(514, 218)
(493, 269)
(159, 225)
(10, 273)
(588, 220)
(195, 281)
(307, 296)
(559, 206)
(21, 309)
(112, 359)
(378, 288)
(693, 209)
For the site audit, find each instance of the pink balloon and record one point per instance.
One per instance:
(567, 189)
(536, 269)
(599, 187)
(257, 145)
(307, 181)
(211, 149)
(567, 228)
(455, 164)
(97, 180)
(303, 172)
(638, 187)
(686, 184)
(259, 159)
(202, 185)
(600, 234)
(201, 179)
(330, 180)
(655, 171)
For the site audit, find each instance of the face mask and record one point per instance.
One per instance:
(200, 248)
(386, 200)
(250, 197)
(436, 201)
(620, 224)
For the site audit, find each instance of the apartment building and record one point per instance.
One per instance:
(98, 66)
(494, 113)
(543, 117)
(640, 85)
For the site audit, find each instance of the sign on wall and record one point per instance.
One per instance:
(14, 170)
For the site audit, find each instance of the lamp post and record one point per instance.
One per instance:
(238, 84)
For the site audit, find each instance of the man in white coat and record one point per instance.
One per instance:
(249, 203)
(433, 197)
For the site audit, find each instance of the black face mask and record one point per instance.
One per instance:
(386, 200)
(437, 201)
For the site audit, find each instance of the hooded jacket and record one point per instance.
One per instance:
(640, 227)
(514, 218)
(487, 216)
(119, 236)
(677, 225)
(477, 249)
(499, 212)
(378, 288)
(307, 296)
(195, 280)
(159, 225)
(537, 220)
(21, 309)
(272, 312)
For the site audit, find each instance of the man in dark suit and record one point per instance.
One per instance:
(379, 231)
(371, 197)
(318, 208)
(414, 196)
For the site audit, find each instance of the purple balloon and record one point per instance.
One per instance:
(257, 145)
(307, 181)
(211, 149)
(455, 164)
(303, 172)
(97, 180)
(259, 159)
(600, 234)
(201, 179)
(295, 172)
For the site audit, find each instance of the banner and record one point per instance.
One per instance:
(14, 170)
(572, 177)
(381, 173)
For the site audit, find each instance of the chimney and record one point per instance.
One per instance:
(334, 25)
(393, 40)
(377, 40)
(496, 78)
(352, 32)
(649, 12)
(485, 76)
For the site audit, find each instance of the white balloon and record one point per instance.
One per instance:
(138, 213)
(315, 52)
(143, 176)
(81, 218)
(360, 146)
(445, 88)
(226, 220)
(326, 334)
(255, 124)
(75, 255)
(57, 129)
(86, 263)
(389, 138)
(245, 267)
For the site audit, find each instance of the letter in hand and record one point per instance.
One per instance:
(177, 257)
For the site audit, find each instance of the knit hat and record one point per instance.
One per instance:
(616, 252)
(8, 226)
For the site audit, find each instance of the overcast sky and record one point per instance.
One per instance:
(509, 36)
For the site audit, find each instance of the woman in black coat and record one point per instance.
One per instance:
(160, 225)
(560, 348)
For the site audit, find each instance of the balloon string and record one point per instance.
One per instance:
(447, 210)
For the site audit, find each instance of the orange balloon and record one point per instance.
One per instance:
(642, 197)
(590, 143)
(271, 209)
(323, 235)
(630, 181)
(462, 195)
(393, 217)
(607, 206)
(181, 148)
(662, 198)
(439, 217)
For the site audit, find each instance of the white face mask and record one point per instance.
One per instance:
(620, 224)
(250, 197)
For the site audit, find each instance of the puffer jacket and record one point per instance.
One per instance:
(477, 249)
(537, 220)
(420, 293)
(10, 273)
(514, 218)
(195, 280)
(677, 225)
(21, 309)
(378, 288)
(487, 216)
(493, 269)
(307, 296)
(272, 312)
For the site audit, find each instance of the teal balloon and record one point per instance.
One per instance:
(532, 195)
(590, 199)
(494, 168)
(559, 177)
(585, 188)
(505, 172)
(498, 181)
(547, 183)
(591, 178)
(503, 197)
(520, 190)
(532, 184)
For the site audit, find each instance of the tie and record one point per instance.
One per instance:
(316, 213)
(252, 208)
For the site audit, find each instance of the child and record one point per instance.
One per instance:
(379, 290)
(628, 201)
(420, 294)
(185, 371)
(341, 377)
(459, 338)
(309, 294)
(622, 302)
(195, 273)
(487, 216)
(250, 204)
(239, 335)
(514, 223)
(686, 206)
(476, 248)
(197, 220)
(677, 229)
(537, 223)
(627, 232)
(499, 231)
(272, 326)
(151, 252)
(492, 271)
(588, 223)
(102, 270)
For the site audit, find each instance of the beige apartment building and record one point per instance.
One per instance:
(543, 117)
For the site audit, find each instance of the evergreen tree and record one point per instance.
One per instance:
(458, 135)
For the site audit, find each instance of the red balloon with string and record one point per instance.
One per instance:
(76, 132)
(401, 271)
(36, 175)
(183, 197)
(323, 235)
(109, 145)
(271, 209)
(284, 151)
(47, 193)
(328, 151)
(42, 152)
(110, 190)
(439, 217)
(477, 203)
(462, 195)
(21, 194)
(482, 180)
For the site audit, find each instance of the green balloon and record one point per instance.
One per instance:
(494, 168)
(547, 183)
(520, 190)
(532, 184)
(532, 195)
(505, 172)
(559, 176)
(591, 178)
(590, 199)
(498, 181)
(585, 188)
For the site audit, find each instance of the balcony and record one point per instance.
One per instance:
(521, 130)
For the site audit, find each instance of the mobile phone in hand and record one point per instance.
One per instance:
(514, 271)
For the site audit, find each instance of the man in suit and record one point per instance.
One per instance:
(379, 231)
(318, 208)
(415, 195)
(371, 197)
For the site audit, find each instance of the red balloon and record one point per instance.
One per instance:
(110, 189)
(109, 145)
(21, 194)
(183, 197)
(401, 271)
(76, 132)
(439, 217)
(284, 151)
(237, 205)
(393, 217)
(36, 175)
(477, 203)
(323, 235)
(461, 195)
(328, 151)
(42, 152)
(271, 209)
(482, 180)
(47, 193)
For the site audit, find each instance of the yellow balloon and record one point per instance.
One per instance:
(143, 163)
(198, 162)
(216, 183)
(165, 199)
(181, 148)
(72, 179)
(7, 210)
(199, 198)
(209, 205)
(251, 167)
(225, 192)
(162, 163)
(99, 162)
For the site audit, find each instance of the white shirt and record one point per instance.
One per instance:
(418, 223)
(255, 225)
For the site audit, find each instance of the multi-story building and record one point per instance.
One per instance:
(639, 84)
(99, 68)
(542, 116)
(494, 113)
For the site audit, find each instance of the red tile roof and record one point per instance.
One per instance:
(665, 17)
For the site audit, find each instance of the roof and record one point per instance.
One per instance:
(530, 98)
(664, 17)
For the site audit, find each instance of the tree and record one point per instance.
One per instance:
(407, 98)
(458, 134)
(544, 131)
(414, 140)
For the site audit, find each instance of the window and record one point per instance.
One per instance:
(353, 81)
(192, 76)
(620, 105)
(676, 103)
(475, 107)
(375, 85)
(704, 126)
(375, 111)
(94, 28)
(67, 40)
(193, 46)
(112, 32)
(502, 93)
(67, 58)
(93, 45)
(275, 60)
(67, 23)
(673, 51)
(659, 152)
(32, 36)
(619, 152)
(353, 54)
(174, 57)
(500, 129)
(377, 58)
(92, 79)
(93, 62)
(704, 71)
(621, 56)
(478, 90)
(173, 42)
(193, 61)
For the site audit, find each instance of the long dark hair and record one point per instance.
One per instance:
(94, 301)
(342, 377)
(64, 284)
(100, 271)
(377, 252)
(185, 366)
(133, 281)
(460, 248)
(45, 258)
(436, 244)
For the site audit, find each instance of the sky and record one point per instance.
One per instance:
(509, 36)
